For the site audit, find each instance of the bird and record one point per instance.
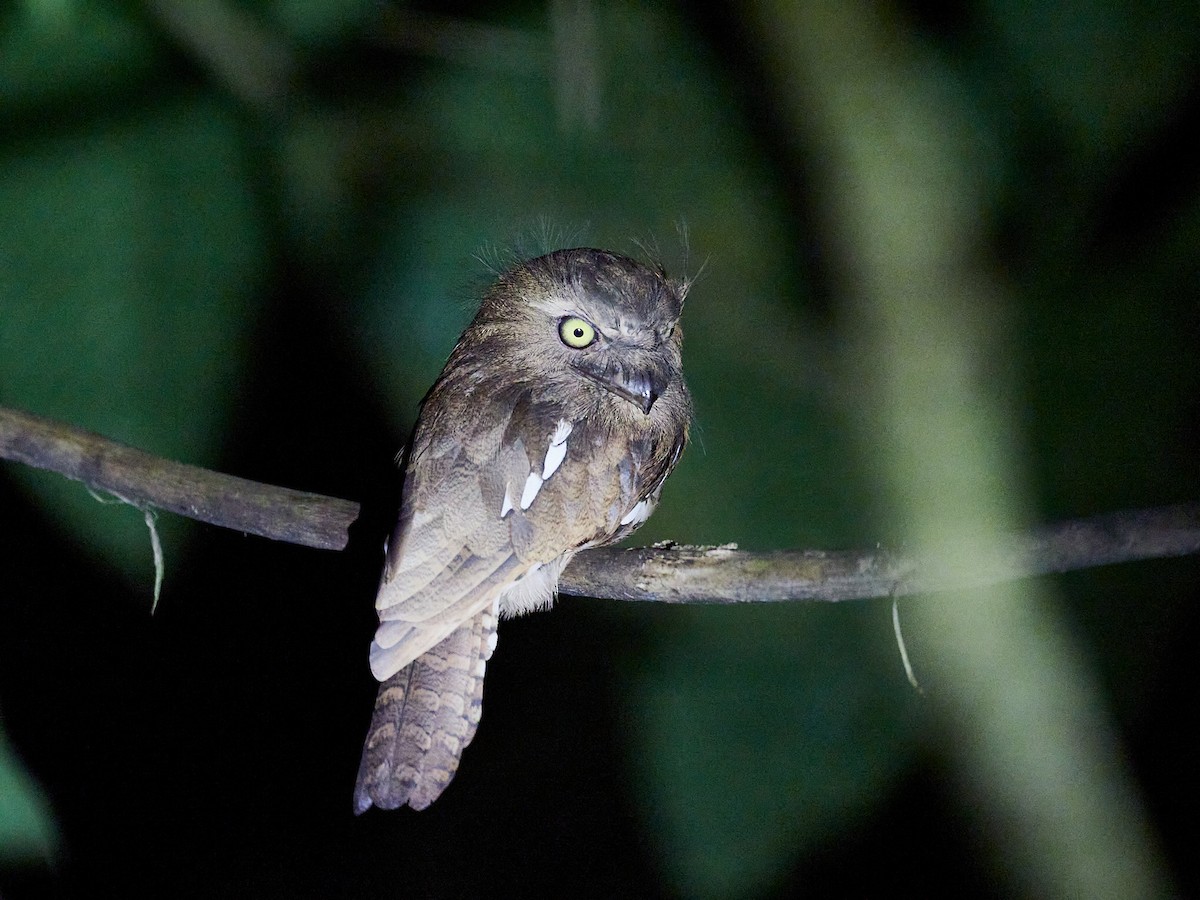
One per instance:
(558, 416)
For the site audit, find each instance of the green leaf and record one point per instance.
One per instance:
(130, 274)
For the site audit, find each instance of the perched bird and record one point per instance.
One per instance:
(557, 418)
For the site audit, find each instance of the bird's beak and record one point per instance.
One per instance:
(636, 387)
(641, 387)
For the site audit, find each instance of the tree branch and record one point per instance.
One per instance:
(282, 514)
(665, 573)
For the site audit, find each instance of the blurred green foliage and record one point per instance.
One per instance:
(26, 829)
(131, 277)
(147, 201)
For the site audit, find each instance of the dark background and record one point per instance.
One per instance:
(245, 235)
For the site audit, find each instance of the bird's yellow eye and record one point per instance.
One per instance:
(576, 332)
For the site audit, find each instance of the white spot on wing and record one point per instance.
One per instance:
(507, 506)
(554, 458)
(558, 448)
(640, 512)
(533, 484)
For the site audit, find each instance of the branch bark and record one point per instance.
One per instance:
(281, 514)
(664, 573)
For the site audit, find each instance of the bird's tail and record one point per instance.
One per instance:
(425, 715)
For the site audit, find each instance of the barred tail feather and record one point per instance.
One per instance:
(425, 715)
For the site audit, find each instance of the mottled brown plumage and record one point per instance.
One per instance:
(559, 415)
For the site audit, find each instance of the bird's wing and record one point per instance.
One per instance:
(489, 501)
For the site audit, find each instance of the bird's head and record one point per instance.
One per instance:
(602, 326)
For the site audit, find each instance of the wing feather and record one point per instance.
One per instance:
(473, 538)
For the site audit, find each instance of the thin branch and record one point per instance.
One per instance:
(675, 574)
(141, 479)
(666, 573)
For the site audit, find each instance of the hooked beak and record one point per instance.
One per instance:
(637, 388)
(640, 387)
